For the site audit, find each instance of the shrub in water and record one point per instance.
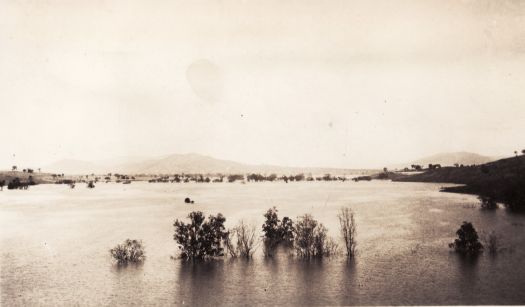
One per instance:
(311, 238)
(201, 239)
(468, 241)
(492, 243)
(348, 230)
(276, 231)
(129, 251)
(242, 241)
(487, 202)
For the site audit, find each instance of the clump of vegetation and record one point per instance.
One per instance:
(493, 243)
(201, 238)
(17, 184)
(488, 202)
(311, 239)
(276, 231)
(348, 230)
(242, 241)
(235, 177)
(467, 242)
(90, 185)
(2, 184)
(129, 251)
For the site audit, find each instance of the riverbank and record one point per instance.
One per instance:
(502, 180)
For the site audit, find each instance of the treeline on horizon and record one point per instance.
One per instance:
(253, 177)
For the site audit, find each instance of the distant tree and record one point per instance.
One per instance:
(235, 177)
(14, 168)
(24, 170)
(2, 184)
(385, 169)
(90, 184)
(299, 177)
(467, 242)
(523, 151)
(16, 184)
(516, 153)
(417, 167)
(30, 170)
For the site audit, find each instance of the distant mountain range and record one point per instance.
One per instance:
(449, 159)
(195, 163)
(184, 163)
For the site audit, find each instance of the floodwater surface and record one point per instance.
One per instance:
(54, 245)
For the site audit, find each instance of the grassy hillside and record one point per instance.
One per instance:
(24, 177)
(502, 180)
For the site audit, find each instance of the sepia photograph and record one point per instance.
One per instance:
(262, 152)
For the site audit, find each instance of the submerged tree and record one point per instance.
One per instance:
(467, 242)
(129, 251)
(276, 231)
(311, 239)
(201, 238)
(242, 241)
(488, 202)
(271, 231)
(493, 243)
(348, 230)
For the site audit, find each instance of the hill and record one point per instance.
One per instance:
(502, 180)
(185, 163)
(449, 159)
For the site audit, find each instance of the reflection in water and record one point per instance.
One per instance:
(201, 283)
(467, 275)
(267, 281)
(348, 283)
(126, 278)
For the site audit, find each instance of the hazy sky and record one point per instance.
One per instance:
(299, 83)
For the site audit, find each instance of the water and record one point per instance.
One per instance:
(54, 245)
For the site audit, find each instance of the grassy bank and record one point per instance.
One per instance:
(38, 178)
(502, 180)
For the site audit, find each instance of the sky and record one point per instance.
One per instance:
(351, 84)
